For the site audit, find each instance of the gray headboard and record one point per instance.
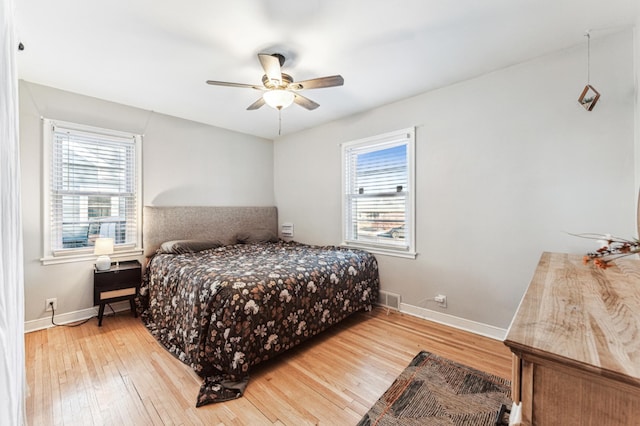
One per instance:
(162, 224)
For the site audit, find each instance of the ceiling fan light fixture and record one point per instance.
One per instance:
(279, 90)
(278, 98)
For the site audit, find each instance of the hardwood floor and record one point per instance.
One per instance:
(118, 374)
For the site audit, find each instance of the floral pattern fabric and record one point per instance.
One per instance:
(224, 310)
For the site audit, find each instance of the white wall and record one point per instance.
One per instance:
(506, 163)
(184, 163)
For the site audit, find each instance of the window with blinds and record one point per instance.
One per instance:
(378, 193)
(93, 188)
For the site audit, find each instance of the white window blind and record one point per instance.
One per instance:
(378, 192)
(93, 188)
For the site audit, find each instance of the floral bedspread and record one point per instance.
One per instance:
(224, 310)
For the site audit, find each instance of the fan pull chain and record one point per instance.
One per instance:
(279, 121)
(588, 57)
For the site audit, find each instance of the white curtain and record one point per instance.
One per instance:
(12, 371)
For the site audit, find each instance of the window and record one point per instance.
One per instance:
(92, 189)
(378, 193)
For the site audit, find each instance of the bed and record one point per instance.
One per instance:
(222, 293)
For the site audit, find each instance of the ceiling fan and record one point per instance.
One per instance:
(280, 90)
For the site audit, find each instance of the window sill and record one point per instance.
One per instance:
(84, 257)
(381, 250)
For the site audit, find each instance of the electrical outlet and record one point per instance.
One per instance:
(48, 302)
(441, 299)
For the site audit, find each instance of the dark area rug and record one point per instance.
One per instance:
(436, 391)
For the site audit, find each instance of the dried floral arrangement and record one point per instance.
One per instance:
(612, 248)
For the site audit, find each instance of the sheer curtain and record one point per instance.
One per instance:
(12, 374)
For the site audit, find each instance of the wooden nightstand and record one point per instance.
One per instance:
(120, 282)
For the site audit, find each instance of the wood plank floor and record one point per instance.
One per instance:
(118, 374)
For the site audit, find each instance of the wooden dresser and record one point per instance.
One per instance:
(576, 344)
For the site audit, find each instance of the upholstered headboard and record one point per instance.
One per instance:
(162, 224)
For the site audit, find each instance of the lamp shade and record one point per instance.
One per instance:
(278, 98)
(103, 246)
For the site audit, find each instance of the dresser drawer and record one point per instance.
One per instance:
(117, 277)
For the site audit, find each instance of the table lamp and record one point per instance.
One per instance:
(103, 248)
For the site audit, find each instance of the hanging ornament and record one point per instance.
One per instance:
(589, 96)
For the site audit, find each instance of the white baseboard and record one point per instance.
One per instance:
(446, 319)
(456, 322)
(68, 317)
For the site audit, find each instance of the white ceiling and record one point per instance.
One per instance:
(157, 54)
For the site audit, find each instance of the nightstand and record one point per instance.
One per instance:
(120, 282)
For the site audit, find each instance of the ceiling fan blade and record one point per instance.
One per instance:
(318, 83)
(228, 84)
(257, 104)
(305, 102)
(271, 65)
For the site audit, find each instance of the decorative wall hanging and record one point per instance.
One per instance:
(589, 96)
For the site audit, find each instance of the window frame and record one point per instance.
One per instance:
(52, 256)
(408, 136)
